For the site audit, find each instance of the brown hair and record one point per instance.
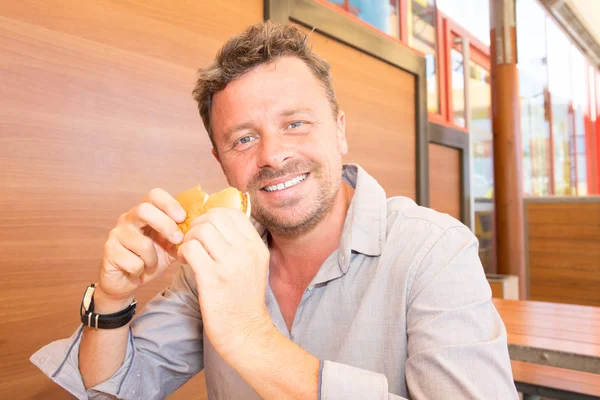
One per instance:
(259, 44)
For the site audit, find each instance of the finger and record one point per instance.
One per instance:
(211, 239)
(147, 214)
(195, 255)
(219, 218)
(162, 200)
(242, 224)
(139, 244)
(123, 259)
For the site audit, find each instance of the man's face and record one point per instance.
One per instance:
(277, 139)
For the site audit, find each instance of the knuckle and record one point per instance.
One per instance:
(133, 264)
(183, 250)
(139, 265)
(144, 210)
(146, 244)
(108, 246)
(203, 230)
(155, 193)
(122, 218)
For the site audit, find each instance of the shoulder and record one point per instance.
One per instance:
(428, 241)
(404, 212)
(420, 230)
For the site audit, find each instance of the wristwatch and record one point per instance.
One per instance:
(103, 321)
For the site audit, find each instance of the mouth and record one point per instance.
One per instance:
(287, 184)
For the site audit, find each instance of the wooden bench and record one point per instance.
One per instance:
(535, 380)
(554, 348)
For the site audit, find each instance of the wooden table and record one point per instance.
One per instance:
(554, 348)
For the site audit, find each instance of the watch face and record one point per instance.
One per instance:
(87, 299)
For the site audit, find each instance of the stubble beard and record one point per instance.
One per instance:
(286, 221)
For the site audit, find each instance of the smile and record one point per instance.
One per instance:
(286, 184)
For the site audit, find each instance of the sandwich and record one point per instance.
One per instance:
(196, 202)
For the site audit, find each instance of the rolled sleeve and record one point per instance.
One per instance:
(59, 360)
(164, 350)
(341, 381)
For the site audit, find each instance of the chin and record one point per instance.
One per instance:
(287, 224)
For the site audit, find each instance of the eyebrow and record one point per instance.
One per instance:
(247, 125)
(293, 111)
(235, 128)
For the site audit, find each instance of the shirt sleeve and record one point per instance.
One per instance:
(457, 342)
(164, 349)
(341, 381)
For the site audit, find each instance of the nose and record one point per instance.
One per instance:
(273, 151)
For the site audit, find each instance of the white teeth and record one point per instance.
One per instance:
(286, 184)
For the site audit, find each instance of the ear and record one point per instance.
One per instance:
(216, 156)
(341, 133)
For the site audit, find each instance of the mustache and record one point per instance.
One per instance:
(294, 167)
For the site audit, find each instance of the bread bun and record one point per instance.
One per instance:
(196, 202)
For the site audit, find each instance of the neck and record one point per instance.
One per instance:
(297, 260)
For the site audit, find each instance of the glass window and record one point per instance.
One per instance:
(382, 14)
(422, 36)
(472, 15)
(480, 129)
(559, 84)
(482, 140)
(458, 85)
(580, 109)
(531, 47)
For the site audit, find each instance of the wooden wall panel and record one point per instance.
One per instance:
(379, 102)
(96, 109)
(444, 179)
(563, 245)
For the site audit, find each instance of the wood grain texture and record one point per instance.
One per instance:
(96, 110)
(556, 327)
(444, 179)
(564, 251)
(557, 378)
(552, 326)
(379, 102)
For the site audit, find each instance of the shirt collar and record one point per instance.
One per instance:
(365, 226)
(364, 229)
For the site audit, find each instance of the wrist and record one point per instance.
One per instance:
(105, 304)
(255, 338)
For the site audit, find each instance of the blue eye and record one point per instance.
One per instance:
(245, 140)
(296, 124)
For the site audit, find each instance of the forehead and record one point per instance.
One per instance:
(269, 88)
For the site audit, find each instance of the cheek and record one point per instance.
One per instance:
(238, 171)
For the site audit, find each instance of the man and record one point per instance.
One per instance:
(345, 295)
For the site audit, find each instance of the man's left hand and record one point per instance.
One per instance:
(231, 264)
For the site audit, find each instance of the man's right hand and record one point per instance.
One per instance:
(138, 250)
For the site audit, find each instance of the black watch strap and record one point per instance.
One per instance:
(103, 321)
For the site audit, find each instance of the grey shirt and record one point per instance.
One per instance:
(401, 309)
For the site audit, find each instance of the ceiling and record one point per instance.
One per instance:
(579, 18)
(588, 13)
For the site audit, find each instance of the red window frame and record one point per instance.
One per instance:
(479, 53)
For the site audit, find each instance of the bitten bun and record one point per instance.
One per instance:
(196, 202)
